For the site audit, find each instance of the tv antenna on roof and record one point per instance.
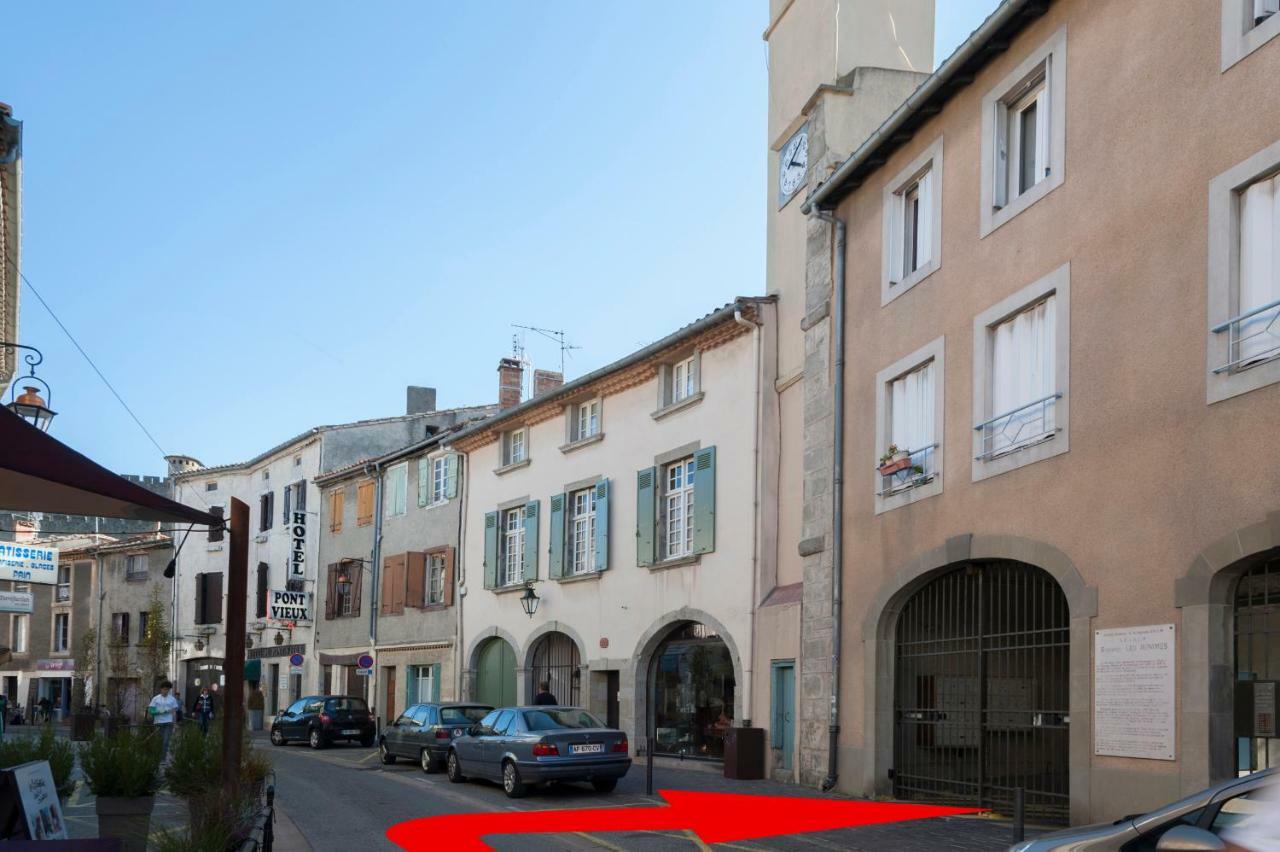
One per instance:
(550, 334)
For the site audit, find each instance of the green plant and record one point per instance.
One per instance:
(61, 756)
(195, 761)
(889, 453)
(153, 647)
(86, 661)
(917, 469)
(124, 765)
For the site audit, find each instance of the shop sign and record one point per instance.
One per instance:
(274, 651)
(67, 665)
(298, 546)
(289, 606)
(24, 564)
(33, 784)
(16, 602)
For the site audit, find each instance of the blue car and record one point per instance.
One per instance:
(522, 746)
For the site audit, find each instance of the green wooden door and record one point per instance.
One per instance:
(783, 697)
(496, 674)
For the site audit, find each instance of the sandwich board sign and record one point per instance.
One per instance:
(29, 803)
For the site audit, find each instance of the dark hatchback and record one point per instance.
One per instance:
(424, 732)
(321, 720)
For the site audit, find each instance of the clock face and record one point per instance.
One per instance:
(792, 163)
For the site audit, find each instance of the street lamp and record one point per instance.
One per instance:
(529, 600)
(29, 405)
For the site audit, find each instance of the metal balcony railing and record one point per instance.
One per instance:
(63, 593)
(1267, 337)
(1014, 430)
(908, 478)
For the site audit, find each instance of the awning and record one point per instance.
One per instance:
(41, 474)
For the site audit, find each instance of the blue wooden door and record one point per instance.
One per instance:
(783, 734)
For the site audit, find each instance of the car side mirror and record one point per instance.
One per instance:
(476, 730)
(1186, 838)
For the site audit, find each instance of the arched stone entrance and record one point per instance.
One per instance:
(554, 659)
(495, 673)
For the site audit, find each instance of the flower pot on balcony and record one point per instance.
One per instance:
(128, 819)
(899, 462)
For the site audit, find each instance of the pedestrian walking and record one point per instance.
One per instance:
(163, 709)
(202, 709)
(544, 695)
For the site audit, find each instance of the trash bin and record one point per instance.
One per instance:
(744, 754)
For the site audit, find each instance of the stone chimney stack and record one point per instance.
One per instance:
(546, 380)
(510, 383)
(419, 400)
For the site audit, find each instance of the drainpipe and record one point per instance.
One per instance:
(837, 492)
(749, 666)
(375, 560)
(460, 578)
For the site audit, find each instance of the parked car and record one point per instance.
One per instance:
(522, 746)
(321, 720)
(424, 732)
(1188, 825)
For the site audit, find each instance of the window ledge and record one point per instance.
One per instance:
(582, 442)
(580, 578)
(505, 469)
(898, 288)
(679, 562)
(435, 607)
(507, 590)
(693, 399)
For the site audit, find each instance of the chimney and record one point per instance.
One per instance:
(419, 400)
(546, 380)
(510, 382)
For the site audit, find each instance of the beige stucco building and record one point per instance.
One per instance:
(1059, 301)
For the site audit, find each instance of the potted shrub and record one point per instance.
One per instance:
(123, 771)
(894, 460)
(256, 703)
(61, 755)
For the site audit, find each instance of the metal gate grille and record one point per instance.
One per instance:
(1257, 633)
(981, 690)
(556, 661)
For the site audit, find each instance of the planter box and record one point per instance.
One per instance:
(894, 465)
(128, 819)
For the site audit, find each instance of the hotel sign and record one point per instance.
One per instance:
(289, 606)
(297, 548)
(24, 564)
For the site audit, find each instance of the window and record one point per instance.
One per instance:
(909, 411)
(512, 547)
(120, 627)
(336, 499)
(211, 486)
(263, 588)
(677, 509)
(297, 461)
(422, 680)
(364, 503)
(912, 239)
(208, 603)
(514, 446)
(344, 582)
(63, 591)
(1246, 26)
(437, 479)
(584, 421)
(435, 578)
(1023, 134)
(582, 531)
(20, 634)
(144, 623)
(215, 532)
(398, 490)
(266, 475)
(676, 506)
(683, 380)
(1020, 377)
(295, 500)
(266, 510)
(61, 631)
(136, 567)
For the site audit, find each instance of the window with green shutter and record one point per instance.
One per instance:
(646, 520)
(704, 500)
(555, 551)
(602, 525)
(490, 550)
(529, 568)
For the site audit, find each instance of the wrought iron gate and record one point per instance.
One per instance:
(981, 690)
(556, 662)
(1257, 632)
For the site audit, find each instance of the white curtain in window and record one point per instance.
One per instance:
(1022, 371)
(911, 413)
(1259, 335)
(924, 225)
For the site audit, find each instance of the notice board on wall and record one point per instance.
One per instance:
(1133, 692)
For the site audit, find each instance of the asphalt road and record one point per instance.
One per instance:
(344, 798)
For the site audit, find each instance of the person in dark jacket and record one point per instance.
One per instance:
(202, 709)
(544, 695)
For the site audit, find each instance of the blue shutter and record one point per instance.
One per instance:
(529, 570)
(424, 481)
(602, 525)
(451, 476)
(704, 500)
(555, 565)
(646, 505)
(435, 682)
(410, 687)
(288, 493)
(490, 550)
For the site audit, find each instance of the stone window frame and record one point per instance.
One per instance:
(1240, 37)
(1223, 278)
(929, 160)
(572, 440)
(1057, 283)
(1054, 52)
(665, 404)
(935, 351)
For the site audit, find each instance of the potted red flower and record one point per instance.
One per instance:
(894, 460)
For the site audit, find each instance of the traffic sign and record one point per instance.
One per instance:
(364, 661)
(295, 660)
(364, 672)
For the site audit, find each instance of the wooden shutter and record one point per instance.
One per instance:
(364, 503)
(451, 476)
(357, 583)
(435, 682)
(556, 536)
(393, 579)
(200, 589)
(302, 495)
(424, 481)
(704, 500)
(529, 568)
(331, 592)
(124, 627)
(335, 509)
(646, 521)
(263, 581)
(602, 525)
(490, 550)
(416, 579)
(449, 556)
(215, 532)
(288, 498)
(213, 598)
(410, 686)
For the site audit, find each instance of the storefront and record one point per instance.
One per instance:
(52, 684)
(694, 691)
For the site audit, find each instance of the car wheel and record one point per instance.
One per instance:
(366, 742)
(427, 762)
(453, 768)
(387, 757)
(604, 785)
(316, 739)
(277, 738)
(511, 783)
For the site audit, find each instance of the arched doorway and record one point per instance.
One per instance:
(496, 673)
(1257, 667)
(693, 692)
(981, 689)
(556, 662)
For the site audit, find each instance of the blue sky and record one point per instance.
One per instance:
(257, 218)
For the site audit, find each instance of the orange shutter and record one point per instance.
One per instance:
(416, 579)
(335, 509)
(448, 577)
(364, 504)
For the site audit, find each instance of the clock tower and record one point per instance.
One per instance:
(837, 68)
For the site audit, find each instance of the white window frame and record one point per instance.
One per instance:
(515, 446)
(582, 531)
(1058, 284)
(439, 483)
(894, 280)
(398, 490)
(677, 509)
(21, 632)
(435, 578)
(999, 204)
(1240, 36)
(61, 639)
(62, 591)
(584, 421)
(684, 379)
(686, 371)
(1224, 276)
(933, 352)
(511, 535)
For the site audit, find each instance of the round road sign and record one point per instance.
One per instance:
(364, 661)
(295, 660)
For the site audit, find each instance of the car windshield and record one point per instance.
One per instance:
(551, 720)
(461, 715)
(345, 704)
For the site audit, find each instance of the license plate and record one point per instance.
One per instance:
(588, 748)
(351, 732)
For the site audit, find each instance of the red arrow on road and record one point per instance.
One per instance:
(715, 817)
